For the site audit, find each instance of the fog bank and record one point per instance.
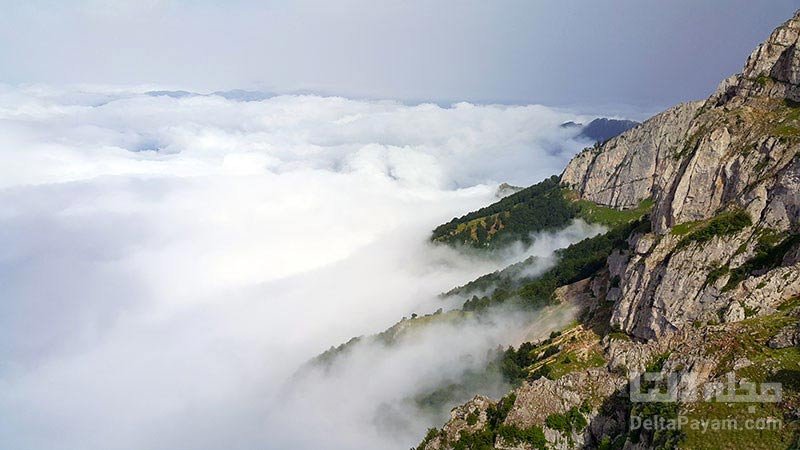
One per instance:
(168, 263)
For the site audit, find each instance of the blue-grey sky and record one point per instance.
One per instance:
(642, 53)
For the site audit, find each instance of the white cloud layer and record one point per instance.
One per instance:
(167, 263)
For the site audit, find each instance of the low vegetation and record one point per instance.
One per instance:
(536, 208)
(787, 124)
(749, 340)
(576, 349)
(533, 437)
(611, 217)
(725, 223)
(484, 439)
(541, 207)
(768, 255)
(576, 262)
(573, 421)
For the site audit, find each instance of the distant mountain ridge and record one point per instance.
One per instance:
(602, 128)
(239, 95)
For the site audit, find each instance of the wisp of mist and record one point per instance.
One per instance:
(169, 264)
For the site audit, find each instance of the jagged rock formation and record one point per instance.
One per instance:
(772, 70)
(719, 260)
(787, 337)
(735, 151)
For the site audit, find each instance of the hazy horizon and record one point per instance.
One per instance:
(619, 56)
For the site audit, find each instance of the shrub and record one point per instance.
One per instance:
(762, 80)
(533, 436)
(726, 223)
(767, 257)
(545, 371)
(432, 434)
(572, 421)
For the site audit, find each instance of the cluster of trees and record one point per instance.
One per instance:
(508, 279)
(576, 262)
(536, 208)
(513, 363)
(569, 422)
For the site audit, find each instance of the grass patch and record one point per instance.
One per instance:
(789, 304)
(618, 336)
(682, 229)
(572, 361)
(658, 439)
(723, 224)
(749, 339)
(592, 212)
(786, 123)
(762, 80)
(735, 439)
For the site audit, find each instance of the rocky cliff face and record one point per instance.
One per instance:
(633, 166)
(720, 259)
(772, 70)
(735, 151)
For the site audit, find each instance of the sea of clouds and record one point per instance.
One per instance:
(167, 263)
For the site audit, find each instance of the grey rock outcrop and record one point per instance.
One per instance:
(467, 418)
(787, 337)
(634, 165)
(736, 151)
(772, 70)
(536, 400)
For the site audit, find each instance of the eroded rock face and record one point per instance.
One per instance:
(726, 165)
(536, 400)
(773, 69)
(633, 166)
(736, 151)
(787, 337)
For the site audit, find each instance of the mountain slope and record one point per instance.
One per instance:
(545, 206)
(710, 287)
